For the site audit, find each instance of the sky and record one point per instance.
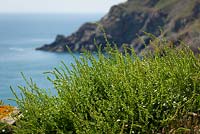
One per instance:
(57, 6)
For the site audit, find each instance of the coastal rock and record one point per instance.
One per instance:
(177, 19)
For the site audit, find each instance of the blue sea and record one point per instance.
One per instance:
(20, 34)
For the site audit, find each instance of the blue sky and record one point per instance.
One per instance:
(56, 6)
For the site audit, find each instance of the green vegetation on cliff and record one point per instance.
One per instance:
(158, 92)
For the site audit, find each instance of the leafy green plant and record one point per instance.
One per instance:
(1, 103)
(117, 93)
(5, 128)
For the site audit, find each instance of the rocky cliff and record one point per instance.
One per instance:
(178, 19)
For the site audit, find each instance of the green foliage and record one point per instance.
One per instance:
(164, 3)
(117, 93)
(1, 102)
(5, 128)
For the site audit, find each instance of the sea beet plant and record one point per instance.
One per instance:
(117, 93)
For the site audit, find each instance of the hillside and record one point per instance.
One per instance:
(178, 19)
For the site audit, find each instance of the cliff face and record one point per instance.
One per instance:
(178, 19)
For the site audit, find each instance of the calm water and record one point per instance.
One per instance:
(20, 35)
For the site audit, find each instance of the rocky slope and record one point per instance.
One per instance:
(178, 19)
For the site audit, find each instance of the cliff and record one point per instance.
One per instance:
(178, 19)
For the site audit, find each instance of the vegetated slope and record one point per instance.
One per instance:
(178, 19)
(117, 94)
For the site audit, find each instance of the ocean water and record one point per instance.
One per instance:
(20, 34)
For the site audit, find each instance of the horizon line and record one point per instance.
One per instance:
(53, 12)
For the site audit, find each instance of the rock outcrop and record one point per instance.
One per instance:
(178, 19)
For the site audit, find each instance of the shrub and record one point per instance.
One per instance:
(1, 103)
(117, 93)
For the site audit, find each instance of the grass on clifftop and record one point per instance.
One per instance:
(117, 94)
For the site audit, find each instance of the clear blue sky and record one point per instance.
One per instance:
(56, 6)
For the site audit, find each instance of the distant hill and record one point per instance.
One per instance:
(178, 19)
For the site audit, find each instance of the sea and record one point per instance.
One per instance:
(20, 34)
